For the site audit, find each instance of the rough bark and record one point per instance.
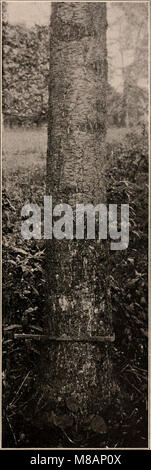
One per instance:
(79, 374)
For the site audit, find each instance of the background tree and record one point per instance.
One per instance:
(128, 58)
(4, 36)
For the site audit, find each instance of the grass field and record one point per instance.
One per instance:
(26, 148)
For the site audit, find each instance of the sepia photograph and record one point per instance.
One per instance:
(75, 220)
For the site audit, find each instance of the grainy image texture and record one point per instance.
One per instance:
(75, 127)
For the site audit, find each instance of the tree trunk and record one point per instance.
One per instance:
(126, 99)
(79, 372)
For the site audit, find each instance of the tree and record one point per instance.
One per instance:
(128, 45)
(79, 370)
(4, 36)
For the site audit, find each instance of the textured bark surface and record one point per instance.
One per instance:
(79, 374)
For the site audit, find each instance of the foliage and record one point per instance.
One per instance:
(25, 74)
(124, 423)
(26, 64)
(128, 183)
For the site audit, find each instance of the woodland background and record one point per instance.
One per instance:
(25, 107)
(26, 68)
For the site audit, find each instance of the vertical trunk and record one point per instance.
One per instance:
(126, 99)
(79, 372)
(126, 118)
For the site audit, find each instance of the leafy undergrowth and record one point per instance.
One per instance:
(24, 421)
